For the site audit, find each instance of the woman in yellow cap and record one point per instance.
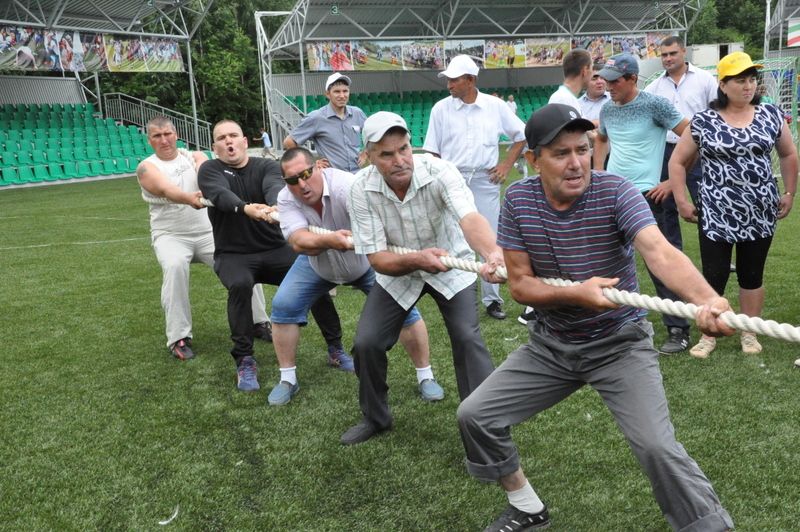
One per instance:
(739, 202)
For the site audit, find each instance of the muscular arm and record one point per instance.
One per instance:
(289, 143)
(599, 151)
(682, 159)
(216, 188)
(787, 154)
(394, 264)
(528, 289)
(679, 274)
(307, 243)
(156, 183)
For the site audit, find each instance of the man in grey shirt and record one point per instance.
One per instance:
(335, 128)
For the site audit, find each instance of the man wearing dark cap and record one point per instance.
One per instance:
(571, 223)
(636, 123)
(335, 128)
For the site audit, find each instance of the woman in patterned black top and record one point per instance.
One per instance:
(739, 201)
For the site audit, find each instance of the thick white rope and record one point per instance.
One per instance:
(741, 322)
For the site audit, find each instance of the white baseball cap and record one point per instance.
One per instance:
(376, 126)
(460, 65)
(333, 78)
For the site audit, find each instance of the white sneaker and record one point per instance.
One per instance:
(704, 347)
(750, 345)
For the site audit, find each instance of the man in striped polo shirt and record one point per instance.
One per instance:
(571, 223)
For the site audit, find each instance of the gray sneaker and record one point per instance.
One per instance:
(678, 341)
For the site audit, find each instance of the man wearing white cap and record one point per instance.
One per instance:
(335, 128)
(465, 129)
(422, 203)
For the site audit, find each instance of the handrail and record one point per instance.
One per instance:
(126, 108)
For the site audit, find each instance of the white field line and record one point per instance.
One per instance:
(85, 243)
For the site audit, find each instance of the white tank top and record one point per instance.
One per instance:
(171, 218)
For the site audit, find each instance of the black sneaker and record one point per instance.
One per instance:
(494, 310)
(678, 341)
(512, 520)
(182, 349)
(528, 314)
(263, 330)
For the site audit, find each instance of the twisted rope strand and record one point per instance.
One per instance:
(741, 322)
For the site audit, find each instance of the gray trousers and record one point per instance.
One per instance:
(623, 368)
(379, 328)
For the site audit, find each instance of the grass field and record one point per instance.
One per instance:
(101, 429)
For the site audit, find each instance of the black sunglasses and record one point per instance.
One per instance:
(304, 175)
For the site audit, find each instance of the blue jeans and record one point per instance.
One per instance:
(302, 286)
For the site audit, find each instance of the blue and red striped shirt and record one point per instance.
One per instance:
(593, 238)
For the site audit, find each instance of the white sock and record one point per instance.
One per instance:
(289, 375)
(525, 499)
(424, 373)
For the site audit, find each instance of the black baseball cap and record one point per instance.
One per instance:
(548, 121)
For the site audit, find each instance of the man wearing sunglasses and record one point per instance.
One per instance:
(250, 250)
(418, 202)
(318, 197)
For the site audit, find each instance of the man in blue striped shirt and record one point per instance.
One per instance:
(571, 223)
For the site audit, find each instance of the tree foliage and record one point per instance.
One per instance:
(723, 21)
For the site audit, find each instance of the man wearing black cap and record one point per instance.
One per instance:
(571, 223)
(335, 128)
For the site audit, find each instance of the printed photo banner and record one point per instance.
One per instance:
(793, 38)
(489, 53)
(32, 49)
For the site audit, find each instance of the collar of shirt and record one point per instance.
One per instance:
(328, 111)
(480, 101)
(690, 69)
(585, 97)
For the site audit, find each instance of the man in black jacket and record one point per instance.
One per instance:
(249, 249)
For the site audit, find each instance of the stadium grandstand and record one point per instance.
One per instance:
(59, 129)
(62, 129)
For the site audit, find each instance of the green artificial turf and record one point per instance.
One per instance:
(102, 429)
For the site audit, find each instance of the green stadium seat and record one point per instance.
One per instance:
(39, 145)
(80, 154)
(10, 176)
(24, 158)
(56, 172)
(83, 169)
(92, 153)
(40, 173)
(52, 155)
(38, 157)
(25, 174)
(97, 168)
(68, 142)
(67, 154)
(109, 168)
(117, 151)
(14, 135)
(9, 158)
(104, 151)
(71, 170)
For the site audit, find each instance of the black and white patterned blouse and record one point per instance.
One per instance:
(738, 193)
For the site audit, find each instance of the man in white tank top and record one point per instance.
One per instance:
(181, 232)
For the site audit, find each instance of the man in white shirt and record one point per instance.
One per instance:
(690, 90)
(181, 233)
(465, 129)
(577, 67)
(594, 98)
(512, 104)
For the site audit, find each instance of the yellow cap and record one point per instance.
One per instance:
(734, 64)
